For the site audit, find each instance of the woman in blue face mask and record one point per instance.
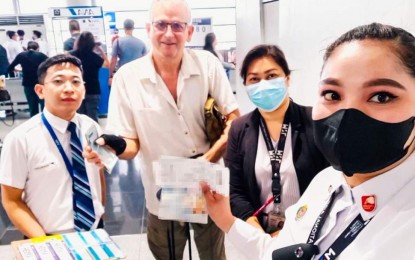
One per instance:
(271, 152)
(364, 121)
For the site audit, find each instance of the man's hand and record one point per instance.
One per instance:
(114, 142)
(92, 156)
(218, 208)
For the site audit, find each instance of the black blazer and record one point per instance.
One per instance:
(241, 154)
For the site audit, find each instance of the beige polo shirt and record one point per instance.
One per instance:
(142, 107)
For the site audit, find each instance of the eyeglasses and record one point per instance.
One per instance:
(175, 26)
(58, 82)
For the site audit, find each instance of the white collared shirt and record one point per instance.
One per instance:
(389, 235)
(31, 161)
(43, 46)
(13, 48)
(142, 107)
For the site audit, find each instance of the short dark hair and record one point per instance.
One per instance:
(10, 34)
(57, 59)
(128, 24)
(20, 32)
(37, 33)
(73, 25)
(32, 45)
(262, 51)
(402, 42)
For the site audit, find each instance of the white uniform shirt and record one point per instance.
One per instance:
(142, 107)
(43, 46)
(389, 235)
(13, 48)
(24, 43)
(263, 172)
(30, 160)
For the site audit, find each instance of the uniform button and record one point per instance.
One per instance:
(193, 151)
(299, 252)
(179, 114)
(185, 133)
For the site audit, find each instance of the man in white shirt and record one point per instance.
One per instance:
(43, 45)
(12, 46)
(22, 40)
(157, 106)
(37, 172)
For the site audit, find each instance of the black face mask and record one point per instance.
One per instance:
(352, 142)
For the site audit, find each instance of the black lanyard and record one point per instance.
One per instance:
(346, 237)
(275, 155)
(59, 145)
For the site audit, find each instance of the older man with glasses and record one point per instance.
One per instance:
(156, 107)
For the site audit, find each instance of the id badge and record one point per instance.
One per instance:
(275, 221)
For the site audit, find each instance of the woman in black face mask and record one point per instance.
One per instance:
(362, 207)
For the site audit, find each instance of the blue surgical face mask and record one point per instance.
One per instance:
(268, 95)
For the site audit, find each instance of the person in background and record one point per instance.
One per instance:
(156, 106)
(115, 36)
(75, 31)
(278, 126)
(29, 61)
(22, 40)
(43, 45)
(127, 48)
(91, 63)
(98, 46)
(12, 46)
(364, 124)
(40, 167)
(4, 62)
(210, 46)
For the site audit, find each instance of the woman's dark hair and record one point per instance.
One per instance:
(262, 51)
(402, 42)
(58, 59)
(209, 39)
(86, 42)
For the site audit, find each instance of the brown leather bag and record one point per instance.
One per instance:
(215, 122)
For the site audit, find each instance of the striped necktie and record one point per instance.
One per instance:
(84, 216)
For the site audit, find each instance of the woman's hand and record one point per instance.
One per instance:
(253, 221)
(218, 208)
